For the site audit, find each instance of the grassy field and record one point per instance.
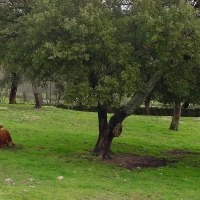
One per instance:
(53, 142)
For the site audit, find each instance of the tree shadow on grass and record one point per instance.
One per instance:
(131, 161)
(12, 148)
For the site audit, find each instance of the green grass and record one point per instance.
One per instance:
(53, 142)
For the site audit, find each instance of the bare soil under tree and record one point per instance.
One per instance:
(131, 161)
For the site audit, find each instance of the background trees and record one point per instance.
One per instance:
(10, 26)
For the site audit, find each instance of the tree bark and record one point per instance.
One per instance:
(24, 96)
(37, 100)
(103, 139)
(176, 116)
(13, 94)
(13, 91)
(102, 117)
(107, 131)
(147, 103)
(36, 96)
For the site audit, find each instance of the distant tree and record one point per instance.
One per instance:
(180, 92)
(14, 84)
(10, 12)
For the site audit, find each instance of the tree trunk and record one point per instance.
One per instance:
(13, 91)
(176, 117)
(107, 131)
(50, 91)
(24, 97)
(147, 103)
(13, 94)
(102, 117)
(36, 96)
(102, 139)
(37, 100)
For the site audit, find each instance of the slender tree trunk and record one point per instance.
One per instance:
(24, 96)
(50, 88)
(47, 96)
(13, 91)
(107, 131)
(36, 96)
(147, 103)
(176, 117)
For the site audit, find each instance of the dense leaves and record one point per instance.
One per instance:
(102, 50)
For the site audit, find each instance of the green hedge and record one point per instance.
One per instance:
(190, 112)
(155, 111)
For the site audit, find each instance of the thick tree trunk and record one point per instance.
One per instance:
(176, 117)
(147, 103)
(13, 94)
(102, 143)
(37, 100)
(107, 131)
(102, 117)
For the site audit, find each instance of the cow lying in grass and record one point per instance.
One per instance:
(5, 138)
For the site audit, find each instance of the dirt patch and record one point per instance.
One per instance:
(130, 161)
(180, 152)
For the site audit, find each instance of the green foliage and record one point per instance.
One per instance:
(66, 41)
(104, 52)
(184, 72)
(11, 12)
(167, 39)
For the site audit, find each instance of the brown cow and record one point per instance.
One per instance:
(5, 138)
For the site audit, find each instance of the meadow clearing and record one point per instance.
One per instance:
(149, 162)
